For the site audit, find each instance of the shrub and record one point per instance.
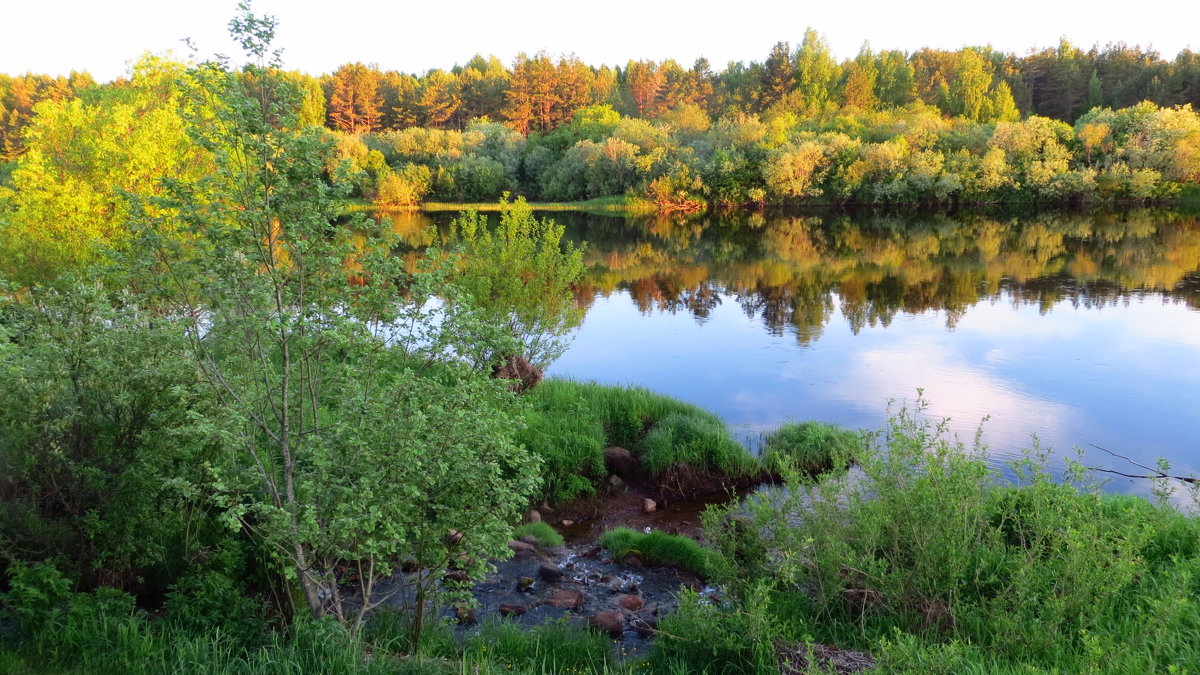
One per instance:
(545, 535)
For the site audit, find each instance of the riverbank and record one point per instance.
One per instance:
(920, 559)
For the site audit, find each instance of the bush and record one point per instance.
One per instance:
(703, 637)
(810, 447)
(660, 548)
(545, 535)
(929, 555)
(698, 441)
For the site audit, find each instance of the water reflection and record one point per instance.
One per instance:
(1081, 329)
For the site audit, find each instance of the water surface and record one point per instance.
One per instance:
(1083, 330)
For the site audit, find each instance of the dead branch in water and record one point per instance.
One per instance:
(1155, 472)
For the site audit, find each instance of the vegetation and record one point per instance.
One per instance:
(569, 424)
(930, 561)
(660, 548)
(1059, 125)
(545, 535)
(810, 447)
(697, 441)
(238, 433)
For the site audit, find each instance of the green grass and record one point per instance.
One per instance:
(545, 535)
(569, 424)
(660, 548)
(810, 447)
(699, 441)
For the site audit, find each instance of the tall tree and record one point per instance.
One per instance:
(355, 105)
(779, 74)
(817, 73)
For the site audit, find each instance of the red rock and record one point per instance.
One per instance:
(513, 610)
(565, 598)
(630, 603)
(607, 622)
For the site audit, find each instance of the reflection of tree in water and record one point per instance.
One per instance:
(792, 272)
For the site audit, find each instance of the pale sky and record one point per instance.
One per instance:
(103, 36)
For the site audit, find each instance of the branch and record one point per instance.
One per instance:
(1155, 473)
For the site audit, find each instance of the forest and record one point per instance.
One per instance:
(972, 126)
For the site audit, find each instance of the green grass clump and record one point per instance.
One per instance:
(545, 535)
(698, 441)
(660, 548)
(569, 424)
(555, 647)
(811, 447)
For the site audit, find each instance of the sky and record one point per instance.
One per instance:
(103, 37)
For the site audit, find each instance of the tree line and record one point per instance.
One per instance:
(935, 126)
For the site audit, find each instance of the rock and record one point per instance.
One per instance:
(550, 572)
(631, 560)
(565, 598)
(649, 505)
(645, 627)
(607, 622)
(616, 482)
(513, 610)
(525, 584)
(523, 374)
(620, 461)
(520, 546)
(457, 576)
(464, 615)
(568, 523)
(454, 537)
(630, 603)
(529, 539)
(535, 516)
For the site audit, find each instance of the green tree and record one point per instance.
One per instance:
(86, 156)
(357, 438)
(817, 72)
(520, 275)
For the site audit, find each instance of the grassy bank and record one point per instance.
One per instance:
(924, 558)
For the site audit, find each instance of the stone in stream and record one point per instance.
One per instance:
(550, 572)
(616, 482)
(520, 546)
(565, 598)
(607, 622)
(512, 610)
(630, 603)
(525, 584)
(619, 461)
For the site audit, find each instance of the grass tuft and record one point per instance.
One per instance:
(545, 535)
(811, 447)
(660, 548)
